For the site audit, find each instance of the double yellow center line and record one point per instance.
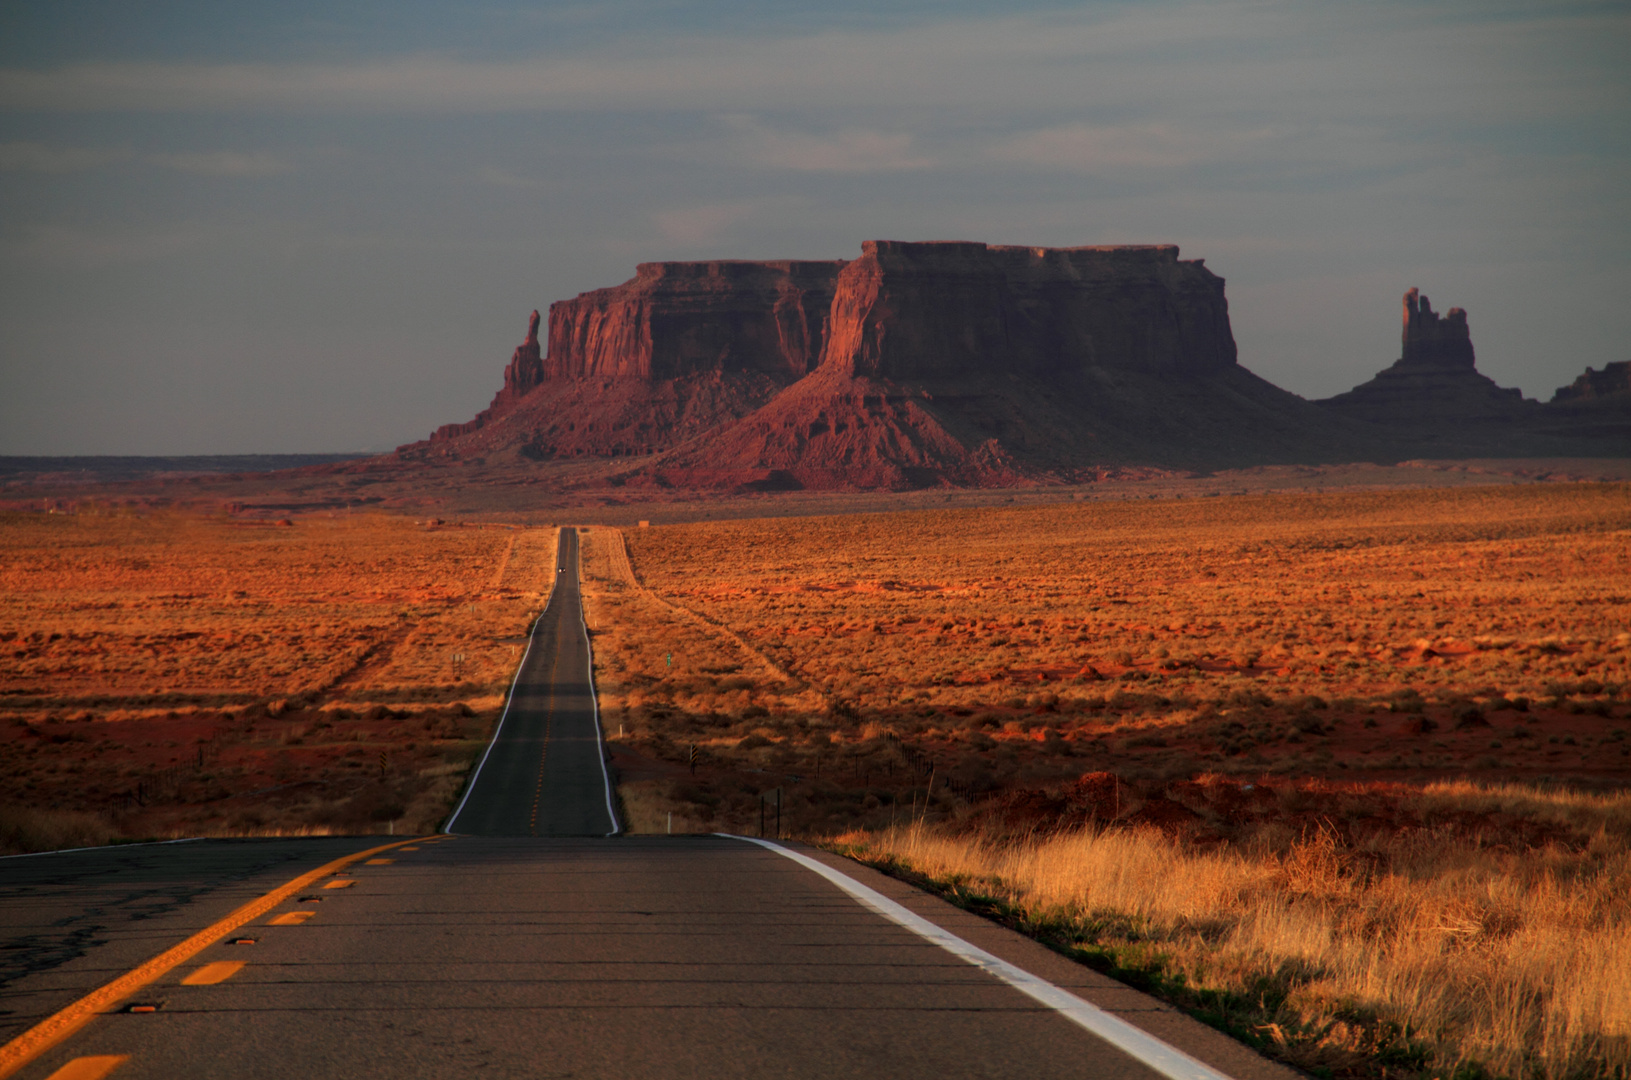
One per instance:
(57, 1027)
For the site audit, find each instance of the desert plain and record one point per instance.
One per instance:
(1342, 772)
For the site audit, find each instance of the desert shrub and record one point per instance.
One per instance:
(26, 829)
(1469, 716)
(1426, 955)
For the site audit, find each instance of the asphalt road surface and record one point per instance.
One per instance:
(507, 952)
(545, 772)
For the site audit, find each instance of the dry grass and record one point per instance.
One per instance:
(1343, 772)
(1329, 594)
(1420, 955)
(24, 829)
(1395, 636)
(172, 673)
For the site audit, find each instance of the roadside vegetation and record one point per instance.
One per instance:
(1411, 954)
(1342, 773)
(174, 674)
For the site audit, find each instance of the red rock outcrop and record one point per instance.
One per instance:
(675, 320)
(524, 371)
(1433, 397)
(1595, 407)
(1433, 402)
(678, 350)
(1431, 341)
(1611, 383)
(944, 310)
(969, 364)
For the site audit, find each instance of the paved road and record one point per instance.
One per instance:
(500, 953)
(632, 957)
(545, 773)
(70, 922)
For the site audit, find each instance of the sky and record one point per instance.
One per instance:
(320, 226)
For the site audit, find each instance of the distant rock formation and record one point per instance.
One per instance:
(677, 320)
(1613, 383)
(1595, 407)
(678, 350)
(1430, 341)
(524, 371)
(1433, 402)
(968, 364)
(1434, 389)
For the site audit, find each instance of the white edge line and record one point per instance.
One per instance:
(105, 847)
(594, 695)
(1137, 1043)
(532, 635)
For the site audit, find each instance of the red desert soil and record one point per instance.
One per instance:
(168, 673)
(1335, 643)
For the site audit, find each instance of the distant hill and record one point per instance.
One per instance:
(1433, 401)
(965, 364)
(59, 471)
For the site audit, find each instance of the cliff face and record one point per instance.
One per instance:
(1610, 385)
(677, 350)
(1433, 342)
(945, 310)
(1596, 406)
(524, 372)
(969, 364)
(675, 320)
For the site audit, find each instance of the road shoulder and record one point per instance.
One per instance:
(1164, 1021)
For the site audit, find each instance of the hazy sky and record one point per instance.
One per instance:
(320, 226)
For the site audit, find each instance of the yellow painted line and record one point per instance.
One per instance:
(90, 1068)
(210, 974)
(382, 862)
(341, 884)
(291, 918)
(407, 849)
(63, 1023)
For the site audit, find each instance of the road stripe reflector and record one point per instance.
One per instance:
(90, 1068)
(1135, 1042)
(341, 884)
(64, 1022)
(292, 918)
(379, 862)
(210, 974)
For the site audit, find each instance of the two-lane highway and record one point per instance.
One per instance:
(544, 774)
(510, 950)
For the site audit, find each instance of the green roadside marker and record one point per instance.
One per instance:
(670, 659)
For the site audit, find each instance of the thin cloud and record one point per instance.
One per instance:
(506, 179)
(1017, 61)
(90, 249)
(1223, 64)
(224, 163)
(40, 158)
(706, 223)
(851, 150)
(1087, 148)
